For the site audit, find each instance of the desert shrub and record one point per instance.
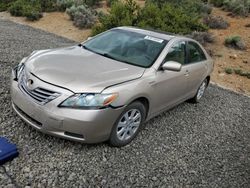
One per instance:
(48, 5)
(5, 4)
(202, 37)
(166, 18)
(237, 71)
(110, 2)
(235, 42)
(91, 2)
(238, 7)
(82, 16)
(229, 70)
(169, 18)
(246, 74)
(206, 8)
(33, 15)
(121, 13)
(197, 7)
(24, 7)
(240, 72)
(215, 22)
(62, 5)
(217, 3)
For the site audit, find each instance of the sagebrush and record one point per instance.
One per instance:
(82, 16)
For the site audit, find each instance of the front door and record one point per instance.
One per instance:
(171, 86)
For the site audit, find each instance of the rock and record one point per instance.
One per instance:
(71, 176)
(234, 56)
(26, 170)
(104, 159)
(154, 178)
(245, 61)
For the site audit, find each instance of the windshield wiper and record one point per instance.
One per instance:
(116, 59)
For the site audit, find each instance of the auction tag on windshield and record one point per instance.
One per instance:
(153, 39)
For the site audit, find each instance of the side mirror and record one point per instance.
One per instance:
(172, 66)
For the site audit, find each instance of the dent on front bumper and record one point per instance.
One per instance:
(88, 126)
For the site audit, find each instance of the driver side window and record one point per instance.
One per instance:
(177, 53)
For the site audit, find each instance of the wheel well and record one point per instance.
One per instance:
(145, 102)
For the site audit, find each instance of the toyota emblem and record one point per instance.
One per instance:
(29, 83)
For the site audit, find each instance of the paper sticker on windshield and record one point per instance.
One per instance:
(153, 39)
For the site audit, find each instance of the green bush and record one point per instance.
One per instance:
(24, 7)
(62, 5)
(229, 70)
(169, 18)
(33, 15)
(166, 18)
(197, 7)
(246, 74)
(91, 2)
(5, 4)
(238, 71)
(30, 10)
(48, 5)
(217, 3)
(121, 13)
(235, 42)
(110, 2)
(82, 16)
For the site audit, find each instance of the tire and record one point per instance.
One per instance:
(128, 124)
(200, 92)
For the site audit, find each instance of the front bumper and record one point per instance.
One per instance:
(88, 126)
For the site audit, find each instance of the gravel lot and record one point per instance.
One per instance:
(204, 145)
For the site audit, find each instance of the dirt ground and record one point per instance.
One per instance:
(60, 24)
(53, 22)
(226, 57)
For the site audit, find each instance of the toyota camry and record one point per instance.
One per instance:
(105, 88)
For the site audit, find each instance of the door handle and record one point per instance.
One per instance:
(186, 73)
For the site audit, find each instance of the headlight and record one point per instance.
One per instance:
(18, 69)
(89, 100)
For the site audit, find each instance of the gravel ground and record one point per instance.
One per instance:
(203, 145)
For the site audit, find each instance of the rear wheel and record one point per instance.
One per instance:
(200, 91)
(128, 124)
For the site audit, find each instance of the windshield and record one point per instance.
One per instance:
(128, 47)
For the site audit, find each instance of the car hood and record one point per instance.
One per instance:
(80, 70)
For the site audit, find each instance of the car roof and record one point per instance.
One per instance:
(154, 33)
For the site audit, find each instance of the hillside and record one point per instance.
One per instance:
(60, 24)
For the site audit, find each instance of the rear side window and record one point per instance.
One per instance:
(195, 53)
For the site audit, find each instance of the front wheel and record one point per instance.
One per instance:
(200, 91)
(128, 125)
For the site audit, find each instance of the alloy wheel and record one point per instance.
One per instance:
(128, 124)
(201, 90)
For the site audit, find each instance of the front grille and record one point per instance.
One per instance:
(39, 95)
